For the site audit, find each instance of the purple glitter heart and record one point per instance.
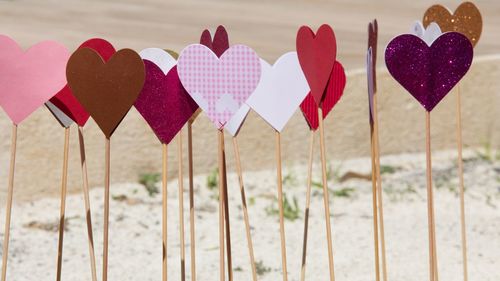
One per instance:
(429, 73)
(164, 103)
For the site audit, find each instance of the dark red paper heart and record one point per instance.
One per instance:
(333, 93)
(164, 103)
(65, 100)
(220, 42)
(317, 54)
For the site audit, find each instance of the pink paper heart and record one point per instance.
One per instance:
(164, 103)
(219, 85)
(29, 79)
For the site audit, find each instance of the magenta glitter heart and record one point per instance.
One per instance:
(429, 73)
(164, 103)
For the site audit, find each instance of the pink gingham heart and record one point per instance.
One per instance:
(219, 85)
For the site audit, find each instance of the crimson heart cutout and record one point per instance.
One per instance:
(317, 54)
(65, 100)
(164, 103)
(220, 42)
(333, 93)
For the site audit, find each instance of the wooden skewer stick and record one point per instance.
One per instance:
(181, 208)
(226, 218)
(63, 204)
(308, 203)
(375, 207)
(107, 166)
(191, 202)
(245, 211)
(86, 198)
(164, 209)
(280, 204)
(461, 181)
(221, 207)
(10, 193)
(430, 199)
(326, 195)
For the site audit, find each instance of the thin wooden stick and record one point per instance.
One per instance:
(461, 181)
(226, 215)
(308, 203)
(326, 195)
(375, 207)
(86, 198)
(10, 193)
(221, 206)
(430, 196)
(62, 211)
(181, 207)
(191, 202)
(245, 211)
(164, 209)
(107, 167)
(280, 204)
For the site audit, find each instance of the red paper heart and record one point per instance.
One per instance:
(65, 100)
(317, 55)
(333, 93)
(220, 42)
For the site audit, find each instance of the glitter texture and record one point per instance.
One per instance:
(466, 19)
(429, 73)
(164, 103)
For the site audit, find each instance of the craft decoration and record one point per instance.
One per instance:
(219, 86)
(429, 34)
(333, 93)
(428, 73)
(466, 20)
(106, 90)
(372, 43)
(30, 78)
(371, 82)
(317, 54)
(219, 44)
(161, 58)
(62, 118)
(283, 83)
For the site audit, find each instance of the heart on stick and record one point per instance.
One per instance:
(219, 86)
(371, 83)
(219, 44)
(333, 93)
(373, 44)
(107, 90)
(30, 78)
(317, 54)
(429, 72)
(65, 101)
(466, 20)
(429, 34)
(163, 102)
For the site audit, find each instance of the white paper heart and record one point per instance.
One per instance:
(234, 124)
(62, 118)
(282, 88)
(160, 57)
(429, 34)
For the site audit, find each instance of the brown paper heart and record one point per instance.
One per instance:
(106, 90)
(466, 19)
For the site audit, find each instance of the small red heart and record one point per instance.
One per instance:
(65, 100)
(333, 93)
(220, 42)
(317, 55)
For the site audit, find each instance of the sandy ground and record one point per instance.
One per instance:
(135, 225)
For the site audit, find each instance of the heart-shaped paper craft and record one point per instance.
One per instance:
(333, 93)
(429, 73)
(30, 78)
(60, 116)
(317, 54)
(373, 43)
(219, 44)
(282, 88)
(466, 19)
(65, 101)
(106, 90)
(371, 83)
(219, 85)
(429, 34)
(163, 59)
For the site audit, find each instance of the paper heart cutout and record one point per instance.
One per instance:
(30, 78)
(466, 19)
(107, 90)
(317, 54)
(220, 42)
(163, 102)
(281, 89)
(163, 59)
(371, 82)
(65, 101)
(333, 93)
(219, 85)
(373, 44)
(429, 34)
(429, 73)
(62, 118)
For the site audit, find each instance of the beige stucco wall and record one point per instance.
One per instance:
(135, 149)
